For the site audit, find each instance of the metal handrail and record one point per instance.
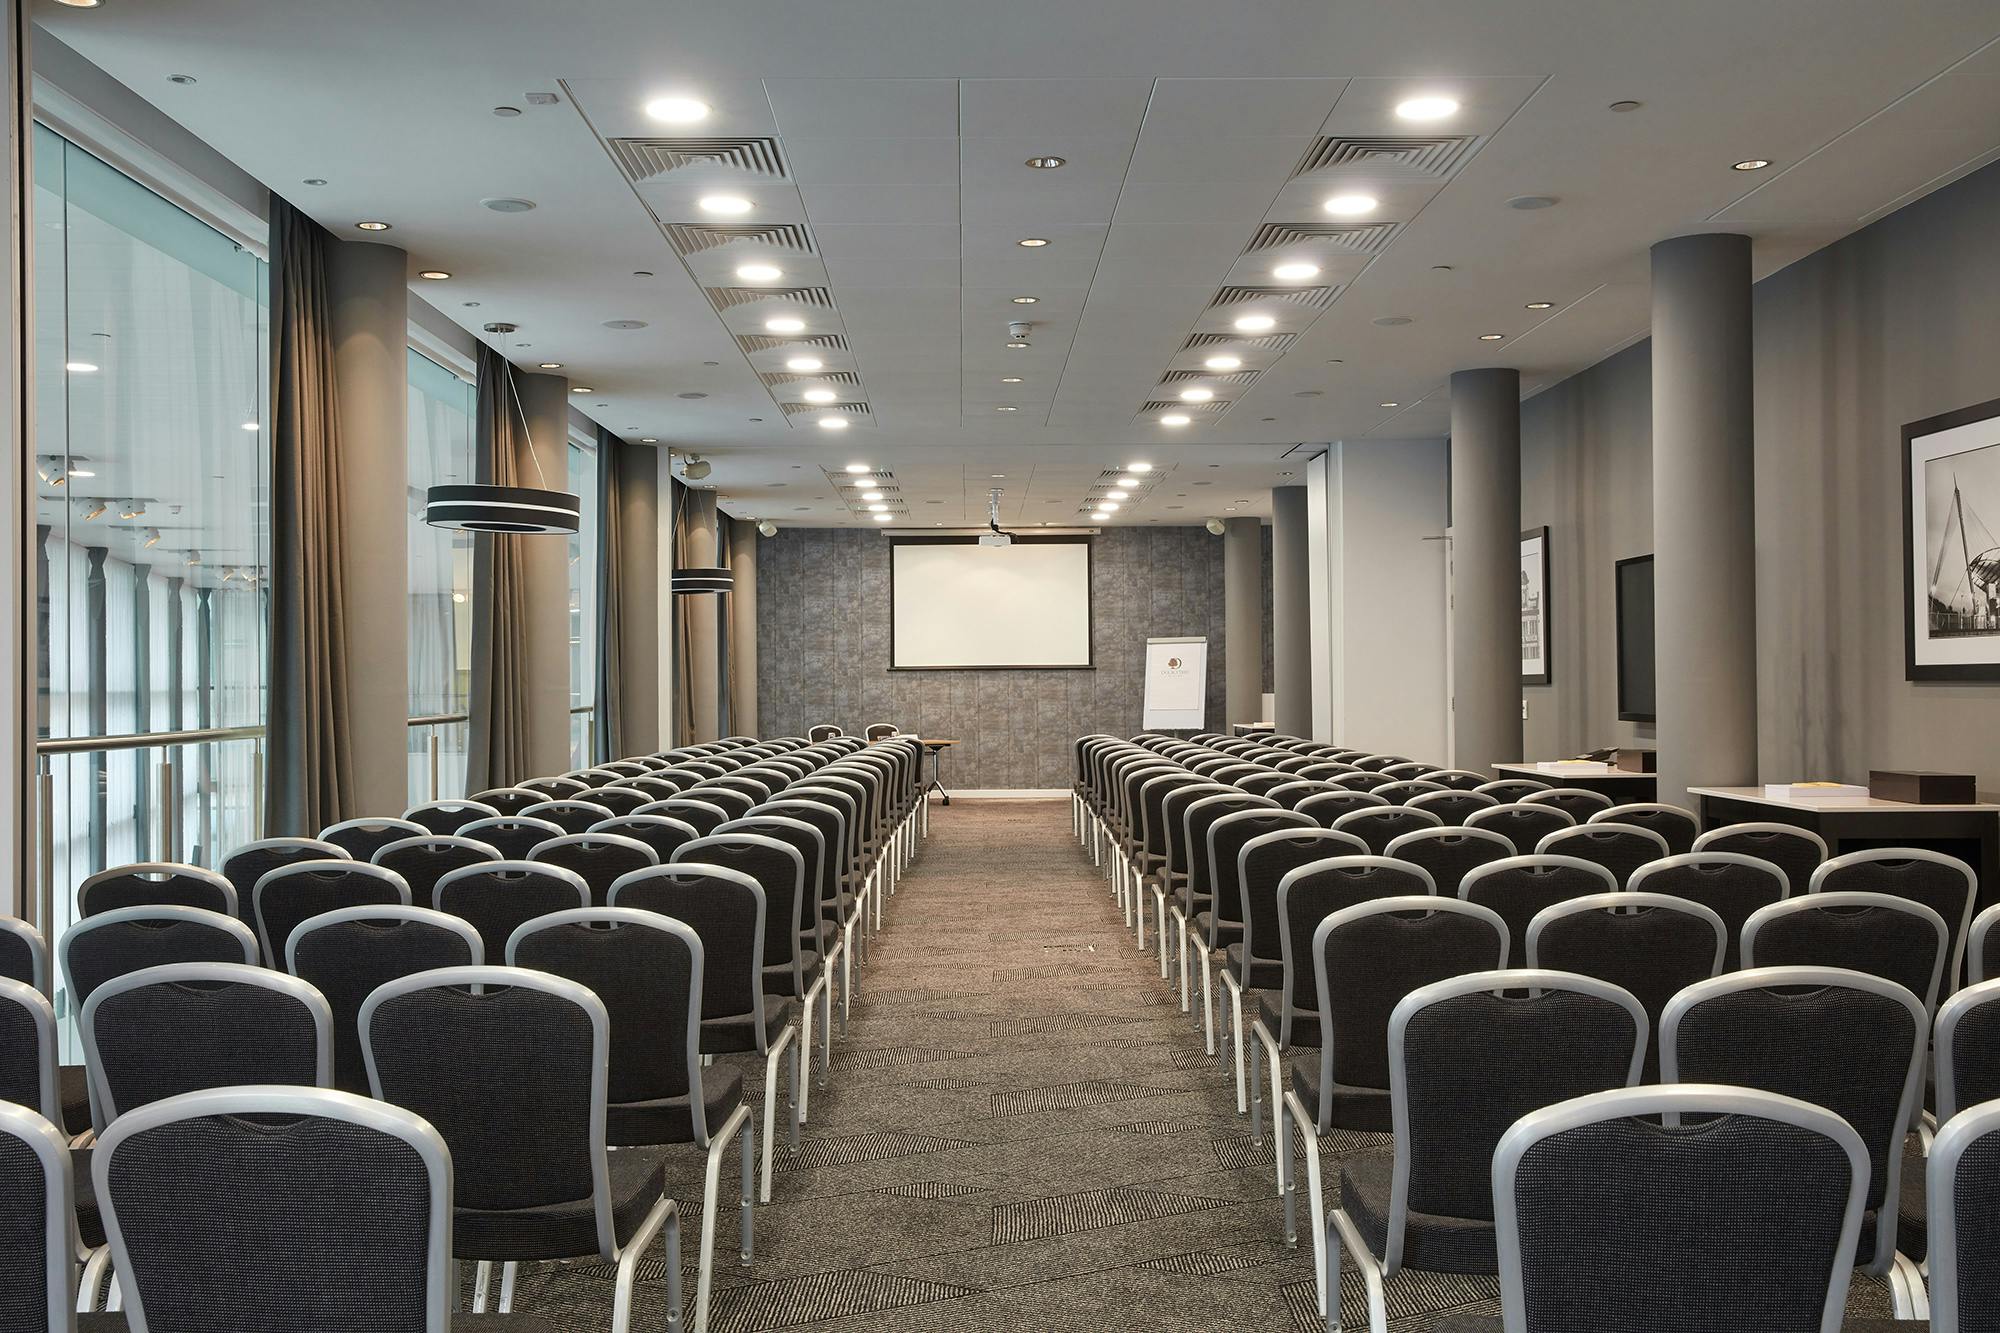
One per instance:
(143, 740)
(438, 719)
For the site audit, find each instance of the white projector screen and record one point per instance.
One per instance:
(959, 604)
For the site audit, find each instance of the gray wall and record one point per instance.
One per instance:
(1893, 324)
(823, 652)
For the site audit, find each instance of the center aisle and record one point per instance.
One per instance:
(1022, 1132)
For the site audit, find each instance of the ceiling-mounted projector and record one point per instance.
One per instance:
(993, 536)
(996, 538)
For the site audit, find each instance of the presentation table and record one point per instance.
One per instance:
(1616, 783)
(1857, 823)
(937, 749)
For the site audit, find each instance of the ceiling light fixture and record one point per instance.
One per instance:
(1004, 408)
(251, 425)
(677, 109)
(81, 4)
(871, 495)
(885, 518)
(1138, 467)
(1108, 506)
(878, 509)
(1032, 242)
(649, 439)
(1010, 379)
(1016, 346)
(372, 226)
(768, 528)
(1295, 272)
(152, 538)
(79, 367)
(434, 275)
(1751, 164)
(857, 469)
(1026, 300)
(1255, 324)
(1046, 163)
(582, 388)
(1491, 337)
(833, 423)
(133, 509)
(804, 363)
(1196, 395)
(551, 365)
(727, 205)
(1427, 108)
(1118, 495)
(1351, 205)
(1223, 362)
(1388, 404)
(1541, 305)
(785, 324)
(759, 272)
(1175, 419)
(820, 396)
(1216, 526)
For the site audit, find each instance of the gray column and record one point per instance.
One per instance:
(1291, 612)
(19, 827)
(545, 403)
(639, 612)
(704, 656)
(1486, 566)
(743, 628)
(368, 289)
(1704, 525)
(1242, 621)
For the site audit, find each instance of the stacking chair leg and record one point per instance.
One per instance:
(1160, 920)
(846, 971)
(787, 1041)
(808, 1016)
(1234, 1039)
(1292, 1112)
(482, 1280)
(1906, 1289)
(665, 1216)
(94, 1269)
(1340, 1237)
(738, 1125)
(508, 1272)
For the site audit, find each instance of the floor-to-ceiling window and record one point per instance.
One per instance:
(583, 605)
(440, 453)
(151, 495)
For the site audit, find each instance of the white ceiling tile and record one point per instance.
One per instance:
(865, 107)
(1194, 203)
(933, 205)
(913, 270)
(1059, 108)
(909, 161)
(1368, 106)
(1039, 203)
(1243, 108)
(1266, 161)
(1001, 160)
(839, 241)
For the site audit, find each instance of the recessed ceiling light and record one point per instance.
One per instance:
(1351, 205)
(582, 388)
(79, 368)
(1175, 419)
(833, 423)
(1389, 404)
(1118, 495)
(785, 324)
(1125, 481)
(878, 509)
(372, 226)
(1138, 467)
(1295, 272)
(1491, 337)
(1255, 324)
(81, 4)
(1016, 346)
(1108, 506)
(1010, 379)
(759, 272)
(729, 205)
(1427, 108)
(252, 425)
(649, 439)
(1026, 300)
(434, 275)
(1006, 409)
(1751, 164)
(804, 363)
(1032, 242)
(1223, 362)
(313, 180)
(677, 110)
(1196, 395)
(183, 79)
(1541, 305)
(551, 365)
(871, 495)
(1046, 163)
(856, 469)
(1530, 202)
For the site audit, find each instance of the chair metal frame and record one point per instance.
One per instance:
(365, 869)
(165, 869)
(1959, 1135)
(41, 1137)
(1836, 899)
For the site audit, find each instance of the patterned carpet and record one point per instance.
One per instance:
(1021, 1133)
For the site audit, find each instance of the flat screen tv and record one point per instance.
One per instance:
(1637, 701)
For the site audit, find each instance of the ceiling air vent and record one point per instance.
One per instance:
(1210, 408)
(771, 342)
(1359, 238)
(852, 409)
(649, 159)
(690, 238)
(1270, 342)
(812, 377)
(726, 298)
(1391, 156)
(1312, 298)
(1207, 377)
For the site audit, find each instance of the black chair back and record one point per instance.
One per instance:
(37, 1225)
(510, 800)
(1521, 886)
(513, 836)
(1678, 827)
(448, 816)
(598, 858)
(1796, 851)
(1619, 848)
(1382, 825)
(422, 862)
(157, 884)
(1729, 884)
(1894, 938)
(290, 894)
(362, 838)
(725, 908)
(496, 897)
(572, 814)
(1451, 805)
(1450, 853)
(1523, 825)
(110, 945)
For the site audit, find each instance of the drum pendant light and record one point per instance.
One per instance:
(484, 507)
(692, 580)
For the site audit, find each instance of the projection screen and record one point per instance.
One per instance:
(961, 605)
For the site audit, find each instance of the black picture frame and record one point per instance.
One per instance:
(1089, 595)
(1917, 618)
(1546, 675)
(1627, 709)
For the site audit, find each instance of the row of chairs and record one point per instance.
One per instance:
(630, 963)
(1362, 927)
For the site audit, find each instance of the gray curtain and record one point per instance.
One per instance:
(309, 755)
(498, 751)
(683, 613)
(610, 732)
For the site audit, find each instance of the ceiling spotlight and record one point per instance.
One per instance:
(857, 469)
(194, 557)
(833, 423)
(728, 205)
(1006, 409)
(759, 272)
(804, 363)
(1138, 467)
(649, 439)
(1295, 272)
(251, 425)
(677, 110)
(550, 365)
(1216, 526)
(820, 396)
(372, 226)
(1541, 305)
(79, 367)
(1032, 242)
(582, 388)
(1351, 205)
(152, 538)
(1175, 419)
(871, 495)
(768, 528)
(1016, 346)
(785, 324)
(1046, 163)
(1491, 337)
(1388, 404)
(1124, 482)
(434, 275)
(90, 510)
(878, 509)
(1118, 495)
(1026, 300)
(1223, 362)
(1196, 395)
(1256, 324)
(1751, 164)
(885, 518)
(1427, 108)
(133, 509)
(1010, 379)
(81, 4)
(696, 467)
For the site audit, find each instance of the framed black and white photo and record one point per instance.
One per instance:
(1535, 606)
(1951, 555)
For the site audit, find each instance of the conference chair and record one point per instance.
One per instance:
(700, 769)
(1365, 959)
(839, 904)
(855, 875)
(1619, 848)
(881, 730)
(1967, 1044)
(1379, 826)
(156, 884)
(858, 790)
(290, 894)
(1982, 946)
(495, 897)
(736, 802)
(627, 767)
(1837, 1038)
(1448, 853)
(646, 970)
(1379, 763)
(422, 862)
(1290, 794)
(655, 786)
(513, 836)
(823, 731)
(1520, 886)
(24, 954)
(1165, 835)
(510, 1067)
(161, 1031)
(726, 909)
(658, 832)
(1293, 762)
(1408, 771)
(28, 1050)
(703, 816)
(362, 838)
(1678, 827)
(1401, 791)
(1326, 808)
(1964, 1178)
(1796, 851)
(1468, 1057)
(1945, 884)
(595, 776)
(1749, 1225)
(448, 816)
(1649, 944)
(1511, 791)
(617, 798)
(1730, 884)
(573, 814)
(1576, 802)
(553, 788)
(38, 1242)
(1362, 780)
(597, 858)
(1325, 770)
(1216, 919)
(1523, 825)
(510, 800)
(1457, 779)
(811, 832)
(114, 944)
(1452, 805)
(1261, 782)
(1884, 936)
(254, 860)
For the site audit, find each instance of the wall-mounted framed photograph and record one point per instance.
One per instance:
(1535, 606)
(1951, 545)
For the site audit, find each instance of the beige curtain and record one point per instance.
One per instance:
(498, 753)
(610, 733)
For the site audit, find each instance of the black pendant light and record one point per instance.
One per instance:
(483, 507)
(694, 580)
